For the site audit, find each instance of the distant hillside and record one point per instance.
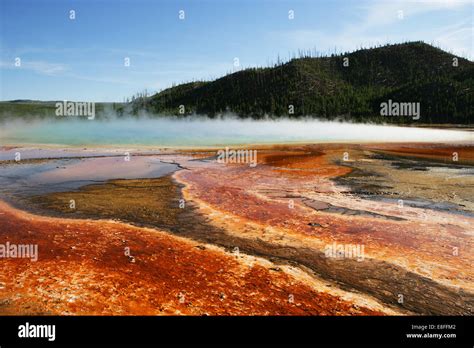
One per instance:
(323, 87)
(28, 109)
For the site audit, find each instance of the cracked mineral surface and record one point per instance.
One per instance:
(181, 233)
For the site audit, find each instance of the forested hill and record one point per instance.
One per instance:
(348, 86)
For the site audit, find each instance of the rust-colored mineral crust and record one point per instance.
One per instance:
(254, 240)
(83, 268)
(290, 201)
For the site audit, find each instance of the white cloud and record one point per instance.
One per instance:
(40, 67)
(376, 17)
(459, 40)
(383, 12)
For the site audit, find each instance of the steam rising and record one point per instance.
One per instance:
(202, 131)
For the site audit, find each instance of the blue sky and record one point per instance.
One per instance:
(84, 59)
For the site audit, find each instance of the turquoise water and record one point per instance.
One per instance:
(207, 132)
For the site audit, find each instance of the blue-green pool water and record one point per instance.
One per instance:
(208, 132)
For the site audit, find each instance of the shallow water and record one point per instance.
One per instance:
(24, 179)
(207, 132)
